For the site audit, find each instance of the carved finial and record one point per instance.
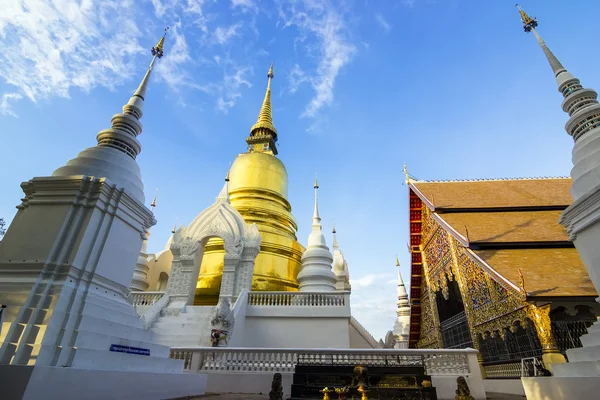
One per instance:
(153, 204)
(521, 281)
(406, 176)
(467, 232)
(158, 49)
(528, 22)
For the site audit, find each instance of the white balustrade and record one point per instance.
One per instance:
(251, 360)
(144, 298)
(299, 299)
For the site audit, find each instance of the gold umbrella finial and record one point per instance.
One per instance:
(158, 49)
(153, 204)
(528, 22)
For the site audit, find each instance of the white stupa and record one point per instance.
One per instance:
(316, 274)
(340, 266)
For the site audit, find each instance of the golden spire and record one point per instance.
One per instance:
(397, 261)
(153, 204)
(528, 22)
(263, 132)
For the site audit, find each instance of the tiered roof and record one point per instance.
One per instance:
(512, 224)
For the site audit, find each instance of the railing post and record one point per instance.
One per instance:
(474, 366)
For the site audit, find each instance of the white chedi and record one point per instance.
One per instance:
(340, 266)
(316, 274)
(402, 325)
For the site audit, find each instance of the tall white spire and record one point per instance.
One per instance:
(316, 274)
(584, 111)
(340, 265)
(114, 155)
(402, 324)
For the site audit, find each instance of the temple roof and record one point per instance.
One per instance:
(548, 272)
(500, 193)
(512, 225)
(508, 227)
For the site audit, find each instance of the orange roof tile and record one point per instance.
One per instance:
(514, 226)
(547, 272)
(497, 193)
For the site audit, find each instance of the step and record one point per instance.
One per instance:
(99, 325)
(203, 310)
(111, 303)
(177, 340)
(577, 369)
(164, 326)
(111, 315)
(97, 341)
(592, 338)
(109, 360)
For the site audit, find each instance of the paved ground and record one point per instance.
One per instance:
(491, 396)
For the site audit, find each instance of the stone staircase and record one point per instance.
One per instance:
(190, 328)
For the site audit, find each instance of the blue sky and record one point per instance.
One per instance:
(453, 87)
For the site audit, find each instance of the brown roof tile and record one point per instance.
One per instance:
(514, 226)
(547, 272)
(497, 193)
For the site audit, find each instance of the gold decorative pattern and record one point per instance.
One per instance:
(541, 320)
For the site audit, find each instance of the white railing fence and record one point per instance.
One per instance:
(252, 360)
(153, 312)
(301, 299)
(144, 298)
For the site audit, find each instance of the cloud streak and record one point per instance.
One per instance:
(51, 47)
(322, 21)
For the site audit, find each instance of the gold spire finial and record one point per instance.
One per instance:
(333, 224)
(528, 22)
(316, 186)
(153, 204)
(397, 261)
(158, 49)
(263, 134)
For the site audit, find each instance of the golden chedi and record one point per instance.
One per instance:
(258, 190)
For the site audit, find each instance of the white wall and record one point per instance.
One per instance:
(506, 386)
(260, 382)
(56, 383)
(300, 332)
(161, 262)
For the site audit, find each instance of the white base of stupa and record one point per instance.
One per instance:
(49, 383)
(561, 388)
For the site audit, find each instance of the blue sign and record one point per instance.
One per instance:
(129, 350)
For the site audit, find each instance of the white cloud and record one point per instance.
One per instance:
(234, 78)
(374, 303)
(320, 19)
(172, 67)
(224, 34)
(5, 106)
(383, 23)
(244, 5)
(297, 77)
(51, 47)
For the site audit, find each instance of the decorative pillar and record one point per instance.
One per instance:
(541, 320)
(139, 282)
(181, 284)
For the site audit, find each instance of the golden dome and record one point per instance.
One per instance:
(258, 171)
(258, 190)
